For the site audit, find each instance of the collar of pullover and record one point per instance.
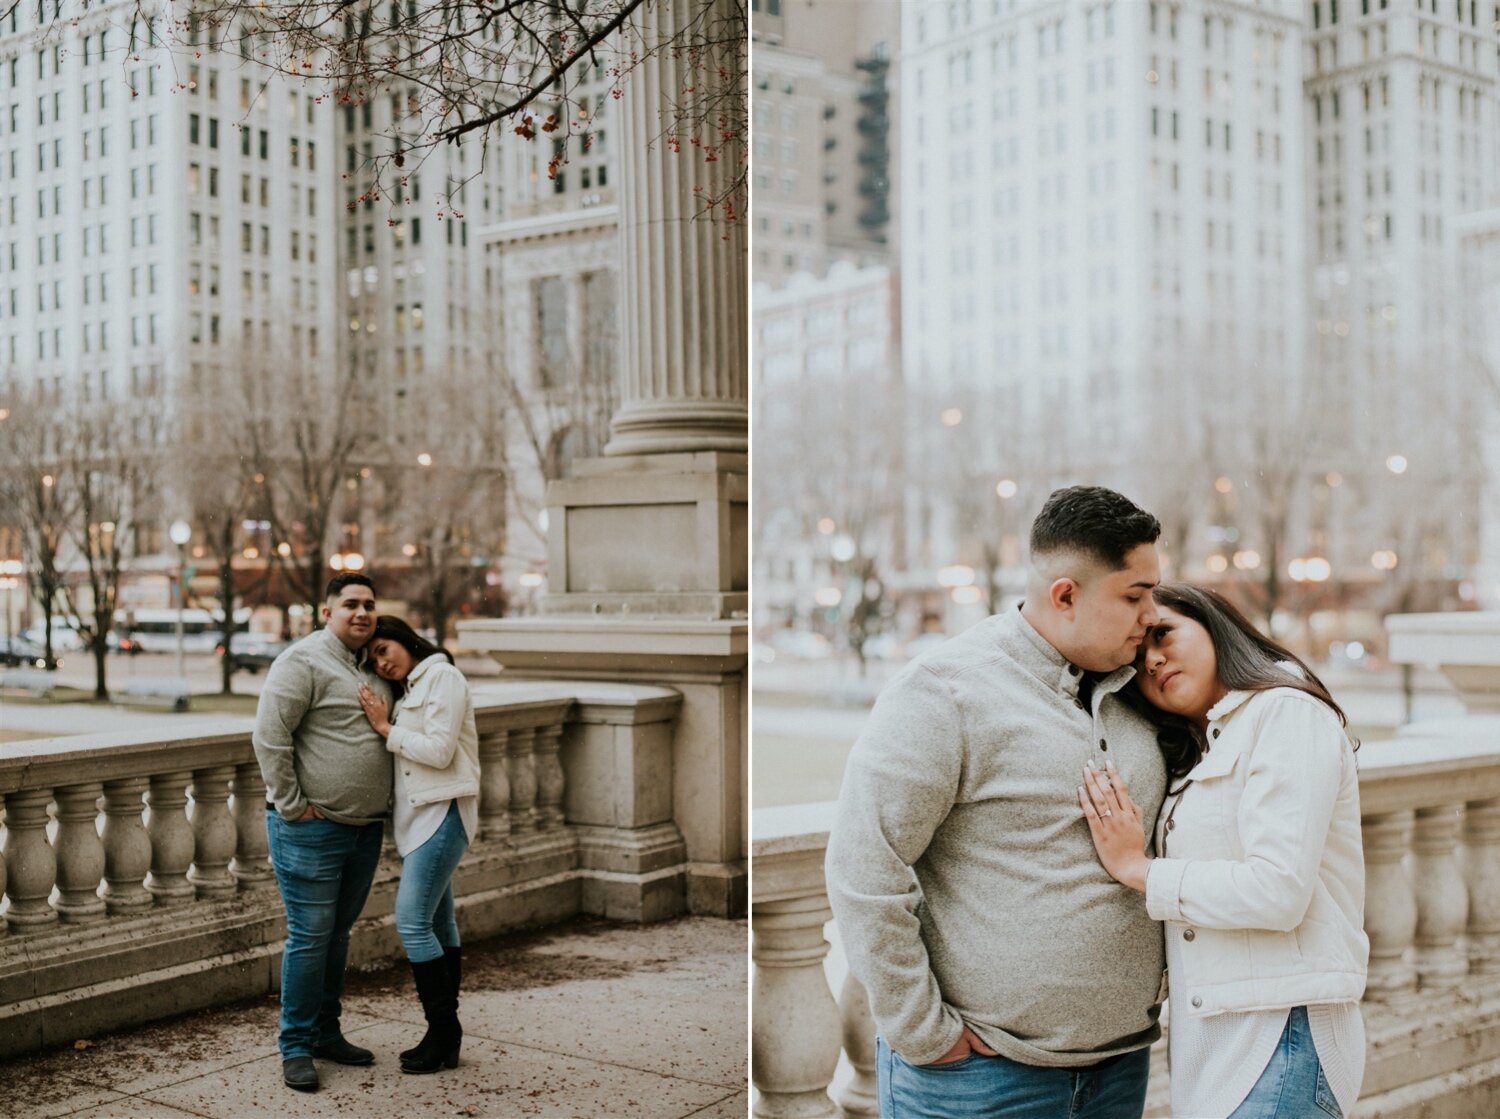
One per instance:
(1037, 655)
(354, 659)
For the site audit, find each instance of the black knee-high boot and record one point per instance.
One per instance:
(452, 956)
(444, 1034)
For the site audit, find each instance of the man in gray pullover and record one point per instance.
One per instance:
(328, 783)
(1009, 975)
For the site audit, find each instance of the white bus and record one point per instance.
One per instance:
(156, 629)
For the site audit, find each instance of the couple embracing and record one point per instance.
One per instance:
(362, 720)
(1118, 789)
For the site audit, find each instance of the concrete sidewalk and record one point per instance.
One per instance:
(590, 1019)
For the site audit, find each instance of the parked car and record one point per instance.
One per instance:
(65, 638)
(18, 652)
(252, 651)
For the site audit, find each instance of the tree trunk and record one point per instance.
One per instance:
(100, 646)
(226, 603)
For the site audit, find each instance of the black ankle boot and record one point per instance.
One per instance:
(453, 958)
(440, 1047)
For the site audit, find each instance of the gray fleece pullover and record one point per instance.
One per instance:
(312, 739)
(960, 867)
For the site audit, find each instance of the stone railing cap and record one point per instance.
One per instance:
(790, 829)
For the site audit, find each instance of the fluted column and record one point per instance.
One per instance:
(549, 778)
(794, 1035)
(1390, 903)
(213, 833)
(30, 861)
(858, 1096)
(494, 786)
(80, 854)
(1482, 875)
(127, 847)
(521, 764)
(1442, 897)
(251, 866)
(171, 839)
(682, 275)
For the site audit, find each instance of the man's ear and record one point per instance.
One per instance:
(326, 611)
(1063, 594)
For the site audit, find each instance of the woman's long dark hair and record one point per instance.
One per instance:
(1247, 662)
(388, 627)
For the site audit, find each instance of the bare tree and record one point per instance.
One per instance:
(449, 505)
(837, 450)
(112, 491)
(306, 431)
(40, 507)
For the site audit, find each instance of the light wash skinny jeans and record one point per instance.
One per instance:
(424, 899)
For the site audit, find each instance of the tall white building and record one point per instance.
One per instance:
(164, 215)
(1098, 194)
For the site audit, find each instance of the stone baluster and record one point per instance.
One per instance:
(1442, 897)
(521, 764)
(859, 1095)
(251, 866)
(80, 854)
(213, 834)
(30, 861)
(1482, 875)
(494, 786)
(550, 780)
(171, 838)
(4, 924)
(1390, 903)
(794, 1037)
(127, 847)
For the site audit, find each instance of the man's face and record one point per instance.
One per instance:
(1112, 611)
(350, 615)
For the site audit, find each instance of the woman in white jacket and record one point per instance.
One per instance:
(1259, 872)
(435, 745)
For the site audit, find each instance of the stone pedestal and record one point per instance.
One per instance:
(1466, 646)
(649, 535)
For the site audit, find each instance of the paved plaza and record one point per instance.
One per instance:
(590, 1019)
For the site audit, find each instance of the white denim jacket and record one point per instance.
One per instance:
(433, 736)
(1263, 873)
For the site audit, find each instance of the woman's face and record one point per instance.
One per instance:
(1178, 669)
(392, 661)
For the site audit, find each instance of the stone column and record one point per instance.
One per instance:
(1482, 874)
(1390, 903)
(682, 274)
(251, 866)
(171, 839)
(794, 1037)
(127, 847)
(1442, 897)
(213, 834)
(80, 853)
(30, 860)
(859, 1096)
(494, 785)
(648, 547)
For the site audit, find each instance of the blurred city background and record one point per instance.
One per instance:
(1240, 262)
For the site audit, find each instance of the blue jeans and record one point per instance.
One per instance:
(979, 1087)
(324, 870)
(424, 900)
(1293, 1085)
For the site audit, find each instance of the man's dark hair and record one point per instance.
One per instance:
(1095, 521)
(347, 579)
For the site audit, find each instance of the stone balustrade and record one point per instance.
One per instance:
(116, 843)
(1430, 803)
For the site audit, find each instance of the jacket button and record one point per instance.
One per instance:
(1188, 934)
(407, 772)
(1216, 732)
(1073, 670)
(1103, 745)
(1197, 1001)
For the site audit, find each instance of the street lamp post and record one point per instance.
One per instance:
(180, 532)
